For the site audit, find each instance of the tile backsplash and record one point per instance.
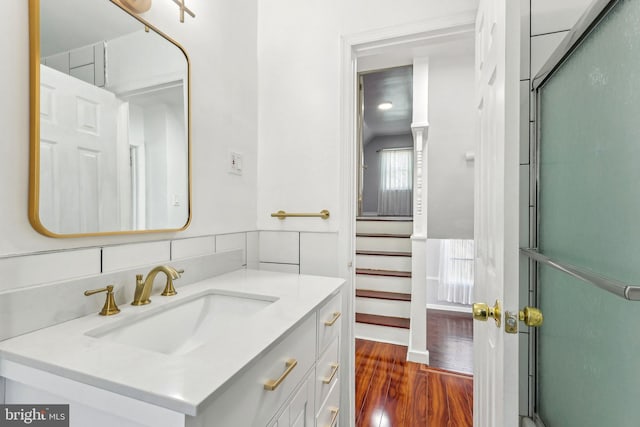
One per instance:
(42, 289)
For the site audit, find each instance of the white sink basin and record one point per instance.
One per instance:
(181, 328)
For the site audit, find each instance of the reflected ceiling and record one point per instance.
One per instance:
(80, 32)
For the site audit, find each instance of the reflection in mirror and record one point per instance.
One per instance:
(112, 151)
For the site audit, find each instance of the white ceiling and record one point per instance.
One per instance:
(394, 82)
(69, 24)
(393, 85)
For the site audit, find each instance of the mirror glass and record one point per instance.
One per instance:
(110, 122)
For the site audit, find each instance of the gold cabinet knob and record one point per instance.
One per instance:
(531, 316)
(110, 308)
(483, 312)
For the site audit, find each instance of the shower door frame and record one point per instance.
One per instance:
(587, 22)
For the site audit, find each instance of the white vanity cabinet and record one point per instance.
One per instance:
(246, 402)
(328, 366)
(301, 397)
(293, 381)
(299, 412)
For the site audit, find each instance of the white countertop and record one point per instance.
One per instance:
(174, 382)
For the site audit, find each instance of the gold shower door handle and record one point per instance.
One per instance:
(483, 312)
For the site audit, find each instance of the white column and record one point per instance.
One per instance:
(418, 336)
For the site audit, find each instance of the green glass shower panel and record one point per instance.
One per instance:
(589, 344)
(589, 216)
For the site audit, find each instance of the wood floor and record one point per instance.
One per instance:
(450, 340)
(391, 392)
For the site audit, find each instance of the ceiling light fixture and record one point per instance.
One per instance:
(141, 6)
(387, 105)
(135, 6)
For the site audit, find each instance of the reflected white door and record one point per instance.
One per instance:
(78, 140)
(496, 210)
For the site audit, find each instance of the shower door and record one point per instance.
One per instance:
(588, 224)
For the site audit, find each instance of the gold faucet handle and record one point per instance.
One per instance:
(169, 289)
(110, 307)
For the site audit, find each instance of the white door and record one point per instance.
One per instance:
(496, 210)
(78, 163)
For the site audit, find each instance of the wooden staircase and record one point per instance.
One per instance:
(383, 279)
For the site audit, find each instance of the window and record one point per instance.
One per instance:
(456, 271)
(396, 169)
(396, 178)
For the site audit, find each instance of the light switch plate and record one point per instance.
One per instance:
(235, 163)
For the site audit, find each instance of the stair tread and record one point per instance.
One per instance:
(383, 253)
(385, 218)
(402, 236)
(394, 296)
(390, 273)
(374, 319)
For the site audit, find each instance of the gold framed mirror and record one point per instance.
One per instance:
(110, 149)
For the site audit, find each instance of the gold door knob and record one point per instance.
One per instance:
(482, 311)
(531, 316)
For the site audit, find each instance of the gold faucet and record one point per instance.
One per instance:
(143, 288)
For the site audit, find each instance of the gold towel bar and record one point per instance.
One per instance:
(324, 214)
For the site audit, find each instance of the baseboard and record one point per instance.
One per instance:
(443, 307)
(383, 334)
(418, 356)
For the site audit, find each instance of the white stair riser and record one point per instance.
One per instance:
(381, 262)
(385, 334)
(383, 307)
(384, 283)
(385, 227)
(389, 244)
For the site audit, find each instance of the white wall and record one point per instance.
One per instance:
(221, 43)
(299, 103)
(452, 117)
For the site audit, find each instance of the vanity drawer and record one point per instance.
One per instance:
(329, 322)
(246, 402)
(327, 372)
(330, 412)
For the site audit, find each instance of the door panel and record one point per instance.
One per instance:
(78, 146)
(496, 210)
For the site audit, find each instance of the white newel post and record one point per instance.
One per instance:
(420, 126)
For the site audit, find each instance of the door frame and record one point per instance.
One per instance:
(353, 47)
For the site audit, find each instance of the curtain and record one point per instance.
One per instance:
(456, 271)
(395, 196)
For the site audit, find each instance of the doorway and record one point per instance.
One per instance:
(385, 203)
(446, 217)
(388, 48)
